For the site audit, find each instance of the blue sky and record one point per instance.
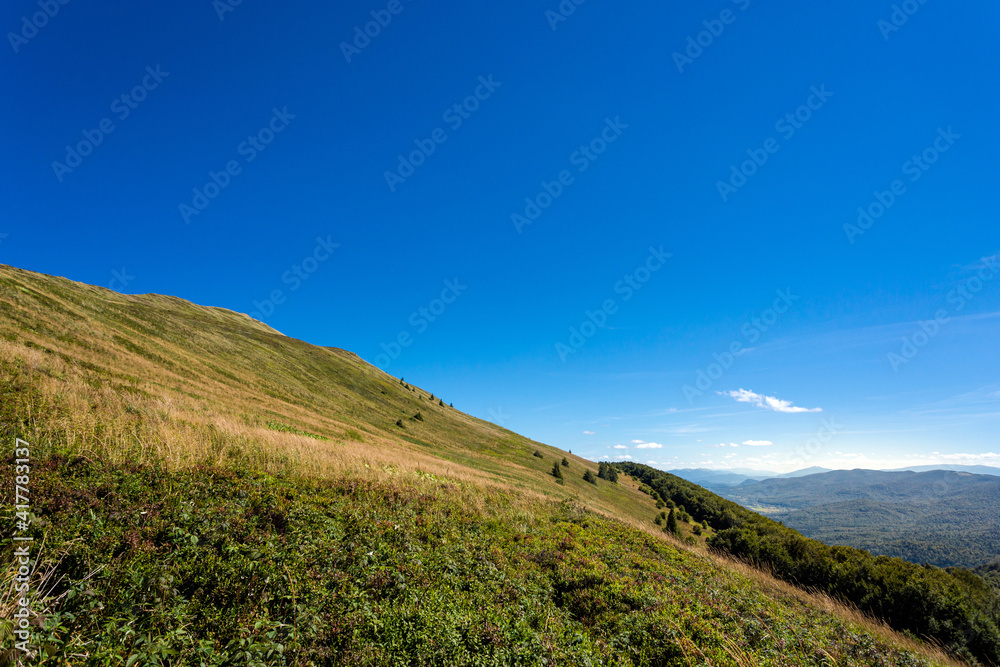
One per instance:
(563, 215)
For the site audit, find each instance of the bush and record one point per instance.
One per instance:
(399, 423)
(557, 471)
(538, 454)
(589, 477)
(672, 523)
(418, 416)
(565, 462)
(696, 529)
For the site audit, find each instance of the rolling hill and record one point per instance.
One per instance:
(944, 518)
(206, 490)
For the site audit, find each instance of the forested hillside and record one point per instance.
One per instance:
(955, 607)
(944, 518)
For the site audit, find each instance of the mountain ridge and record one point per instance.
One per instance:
(236, 479)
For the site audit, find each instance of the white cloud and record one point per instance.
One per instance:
(638, 442)
(652, 463)
(757, 443)
(988, 456)
(627, 457)
(621, 446)
(766, 402)
(724, 444)
(588, 433)
(649, 445)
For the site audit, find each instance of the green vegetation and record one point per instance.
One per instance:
(939, 517)
(954, 607)
(229, 566)
(565, 463)
(590, 477)
(990, 572)
(278, 426)
(671, 526)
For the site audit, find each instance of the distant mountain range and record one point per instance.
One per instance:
(736, 476)
(941, 517)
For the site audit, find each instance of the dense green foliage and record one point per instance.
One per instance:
(954, 607)
(939, 517)
(233, 567)
(672, 522)
(990, 572)
(607, 472)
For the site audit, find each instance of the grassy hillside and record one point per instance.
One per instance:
(944, 518)
(205, 490)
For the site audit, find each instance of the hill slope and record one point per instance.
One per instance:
(205, 490)
(940, 517)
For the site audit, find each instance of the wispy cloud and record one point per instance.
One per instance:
(757, 443)
(621, 446)
(588, 432)
(766, 402)
(649, 445)
(639, 442)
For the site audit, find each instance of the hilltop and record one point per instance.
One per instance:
(206, 490)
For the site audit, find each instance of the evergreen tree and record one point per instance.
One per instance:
(589, 477)
(557, 471)
(565, 462)
(672, 523)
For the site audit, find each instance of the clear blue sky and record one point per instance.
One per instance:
(682, 194)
